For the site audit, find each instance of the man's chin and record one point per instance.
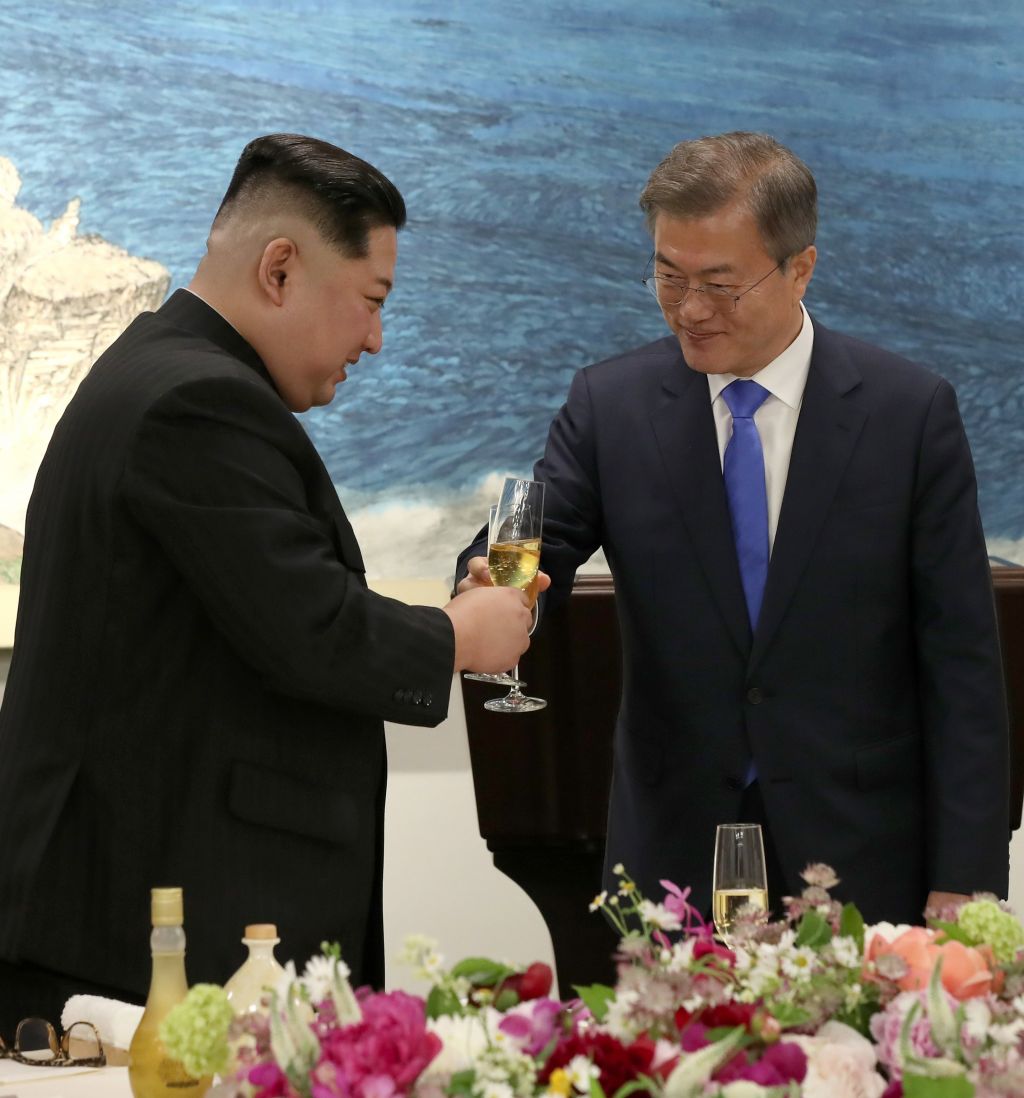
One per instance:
(699, 357)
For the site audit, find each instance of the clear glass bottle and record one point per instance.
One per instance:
(259, 973)
(151, 1072)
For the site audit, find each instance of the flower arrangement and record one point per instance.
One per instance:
(815, 1004)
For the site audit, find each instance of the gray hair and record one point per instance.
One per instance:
(699, 177)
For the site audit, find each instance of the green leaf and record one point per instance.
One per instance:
(946, 1086)
(789, 1016)
(640, 1083)
(851, 925)
(596, 998)
(481, 971)
(859, 1016)
(953, 932)
(813, 931)
(596, 1090)
(461, 1083)
(506, 999)
(441, 1001)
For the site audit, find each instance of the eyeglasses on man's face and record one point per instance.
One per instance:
(36, 1043)
(670, 291)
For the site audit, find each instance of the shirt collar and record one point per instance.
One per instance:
(786, 375)
(187, 310)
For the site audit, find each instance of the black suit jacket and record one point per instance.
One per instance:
(870, 695)
(199, 674)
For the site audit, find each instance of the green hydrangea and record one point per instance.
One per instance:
(195, 1032)
(985, 921)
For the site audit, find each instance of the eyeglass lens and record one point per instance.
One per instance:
(36, 1039)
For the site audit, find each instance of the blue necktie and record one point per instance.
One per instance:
(743, 469)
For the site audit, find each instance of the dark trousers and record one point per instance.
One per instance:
(779, 883)
(27, 991)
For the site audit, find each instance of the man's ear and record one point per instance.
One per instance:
(276, 265)
(802, 265)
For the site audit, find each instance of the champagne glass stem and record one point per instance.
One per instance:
(514, 691)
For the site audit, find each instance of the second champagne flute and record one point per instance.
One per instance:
(740, 876)
(513, 559)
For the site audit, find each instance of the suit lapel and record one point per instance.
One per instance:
(324, 498)
(185, 310)
(827, 431)
(684, 429)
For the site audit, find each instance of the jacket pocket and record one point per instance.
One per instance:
(259, 795)
(891, 762)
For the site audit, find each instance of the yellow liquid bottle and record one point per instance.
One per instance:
(151, 1072)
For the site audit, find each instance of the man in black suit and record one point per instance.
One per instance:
(200, 674)
(807, 620)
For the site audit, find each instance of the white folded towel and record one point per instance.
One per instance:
(115, 1021)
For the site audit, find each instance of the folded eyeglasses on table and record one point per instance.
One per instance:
(36, 1043)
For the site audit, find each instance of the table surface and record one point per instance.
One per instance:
(20, 1081)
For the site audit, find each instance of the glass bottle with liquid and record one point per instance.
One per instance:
(260, 972)
(151, 1072)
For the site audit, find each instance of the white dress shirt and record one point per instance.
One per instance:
(785, 378)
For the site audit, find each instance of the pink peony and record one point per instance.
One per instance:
(532, 1025)
(380, 1056)
(270, 1081)
(966, 970)
(886, 1027)
(840, 1064)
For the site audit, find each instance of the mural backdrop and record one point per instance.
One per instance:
(520, 135)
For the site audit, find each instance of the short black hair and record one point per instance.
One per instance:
(343, 196)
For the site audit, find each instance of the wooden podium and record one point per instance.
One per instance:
(542, 779)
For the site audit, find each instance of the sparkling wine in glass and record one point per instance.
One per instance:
(740, 876)
(513, 560)
(503, 679)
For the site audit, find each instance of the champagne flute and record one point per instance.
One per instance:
(513, 559)
(504, 678)
(740, 876)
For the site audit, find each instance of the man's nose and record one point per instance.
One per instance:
(375, 337)
(694, 304)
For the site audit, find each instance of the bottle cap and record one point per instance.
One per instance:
(167, 907)
(261, 931)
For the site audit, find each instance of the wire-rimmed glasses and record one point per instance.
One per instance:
(36, 1043)
(670, 291)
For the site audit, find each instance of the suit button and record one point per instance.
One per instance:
(417, 698)
(755, 695)
(428, 699)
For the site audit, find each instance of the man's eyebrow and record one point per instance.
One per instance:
(721, 268)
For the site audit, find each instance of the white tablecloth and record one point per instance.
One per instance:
(21, 1081)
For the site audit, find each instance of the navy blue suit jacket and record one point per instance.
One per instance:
(870, 695)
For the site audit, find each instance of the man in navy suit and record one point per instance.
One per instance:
(809, 641)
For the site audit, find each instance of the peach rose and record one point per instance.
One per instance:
(966, 970)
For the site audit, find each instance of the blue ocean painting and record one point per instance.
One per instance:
(521, 136)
